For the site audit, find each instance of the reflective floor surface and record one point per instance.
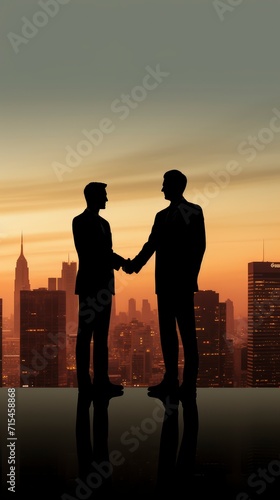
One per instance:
(226, 446)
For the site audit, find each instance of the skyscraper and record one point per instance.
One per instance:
(21, 283)
(226, 349)
(146, 312)
(42, 338)
(141, 353)
(52, 284)
(207, 327)
(132, 309)
(215, 355)
(263, 357)
(230, 319)
(67, 283)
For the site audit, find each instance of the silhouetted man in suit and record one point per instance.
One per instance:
(178, 240)
(95, 287)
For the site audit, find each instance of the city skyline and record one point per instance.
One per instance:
(38, 359)
(127, 286)
(231, 352)
(124, 108)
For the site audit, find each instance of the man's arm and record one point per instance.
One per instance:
(118, 261)
(136, 264)
(200, 240)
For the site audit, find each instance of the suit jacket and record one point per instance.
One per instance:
(97, 261)
(179, 242)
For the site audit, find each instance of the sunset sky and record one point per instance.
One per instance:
(157, 85)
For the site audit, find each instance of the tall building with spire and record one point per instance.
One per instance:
(21, 283)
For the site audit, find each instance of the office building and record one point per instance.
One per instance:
(131, 310)
(226, 349)
(141, 353)
(215, 352)
(67, 283)
(120, 352)
(229, 319)
(43, 338)
(146, 312)
(131, 353)
(52, 284)
(11, 375)
(263, 355)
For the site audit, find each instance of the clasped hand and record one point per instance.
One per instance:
(128, 266)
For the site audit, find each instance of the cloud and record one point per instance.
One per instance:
(129, 176)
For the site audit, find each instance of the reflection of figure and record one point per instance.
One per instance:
(176, 467)
(95, 469)
(178, 240)
(95, 287)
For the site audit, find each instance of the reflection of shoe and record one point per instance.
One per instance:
(164, 388)
(166, 399)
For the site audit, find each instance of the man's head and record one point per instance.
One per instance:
(174, 184)
(96, 195)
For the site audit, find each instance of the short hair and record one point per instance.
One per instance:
(177, 179)
(93, 189)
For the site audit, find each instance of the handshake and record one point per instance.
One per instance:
(128, 266)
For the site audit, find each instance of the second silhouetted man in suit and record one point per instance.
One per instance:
(178, 240)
